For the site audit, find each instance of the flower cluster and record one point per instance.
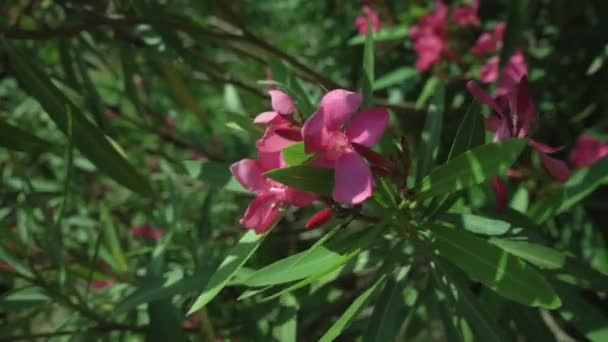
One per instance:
(369, 14)
(337, 142)
(514, 113)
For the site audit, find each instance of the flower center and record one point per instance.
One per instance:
(338, 144)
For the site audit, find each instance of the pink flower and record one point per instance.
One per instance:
(466, 14)
(282, 106)
(368, 14)
(513, 71)
(192, 322)
(148, 232)
(489, 42)
(264, 210)
(587, 151)
(323, 134)
(102, 284)
(429, 38)
(514, 112)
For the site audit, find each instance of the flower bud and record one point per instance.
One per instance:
(372, 156)
(319, 218)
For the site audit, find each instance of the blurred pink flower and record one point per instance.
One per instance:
(263, 211)
(466, 14)
(489, 42)
(587, 151)
(102, 284)
(148, 232)
(368, 14)
(512, 72)
(429, 37)
(323, 134)
(282, 106)
(192, 322)
(514, 112)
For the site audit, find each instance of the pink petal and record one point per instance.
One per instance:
(466, 14)
(428, 49)
(299, 198)
(500, 189)
(272, 142)
(485, 44)
(338, 106)
(586, 151)
(249, 173)
(281, 102)
(489, 72)
(354, 180)
(483, 97)
(102, 284)
(499, 31)
(492, 123)
(557, 169)
(265, 118)
(367, 127)
(544, 148)
(314, 132)
(262, 212)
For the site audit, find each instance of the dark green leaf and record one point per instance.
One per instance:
(14, 138)
(538, 255)
(517, 21)
(431, 135)
(394, 77)
(471, 132)
(368, 67)
(306, 178)
(295, 155)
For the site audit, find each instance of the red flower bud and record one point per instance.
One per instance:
(319, 218)
(370, 155)
(289, 134)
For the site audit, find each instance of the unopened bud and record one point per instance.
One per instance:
(319, 218)
(372, 156)
(289, 134)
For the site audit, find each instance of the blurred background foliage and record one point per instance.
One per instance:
(174, 85)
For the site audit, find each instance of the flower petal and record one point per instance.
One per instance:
(299, 198)
(314, 132)
(272, 142)
(338, 106)
(281, 102)
(367, 127)
(354, 181)
(544, 148)
(557, 169)
(265, 118)
(262, 212)
(483, 97)
(249, 173)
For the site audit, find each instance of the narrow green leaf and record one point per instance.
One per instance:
(502, 272)
(235, 260)
(431, 135)
(14, 138)
(306, 178)
(590, 319)
(472, 167)
(295, 155)
(394, 77)
(23, 298)
(538, 255)
(87, 137)
(477, 224)
(427, 91)
(9, 258)
(517, 20)
(165, 323)
(111, 237)
(368, 67)
(286, 328)
(353, 310)
(384, 34)
(470, 133)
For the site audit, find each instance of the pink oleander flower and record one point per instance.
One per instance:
(148, 232)
(323, 134)
(489, 42)
(514, 113)
(429, 37)
(587, 151)
(512, 72)
(466, 14)
(102, 284)
(368, 14)
(264, 210)
(282, 106)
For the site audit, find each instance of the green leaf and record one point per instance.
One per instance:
(502, 272)
(587, 318)
(431, 135)
(23, 298)
(472, 167)
(86, 136)
(427, 91)
(9, 258)
(353, 310)
(477, 224)
(517, 20)
(14, 138)
(538, 255)
(316, 180)
(165, 323)
(384, 34)
(295, 155)
(396, 76)
(470, 133)
(111, 238)
(216, 174)
(368, 67)
(580, 185)
(286, 327)
(231, 264)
